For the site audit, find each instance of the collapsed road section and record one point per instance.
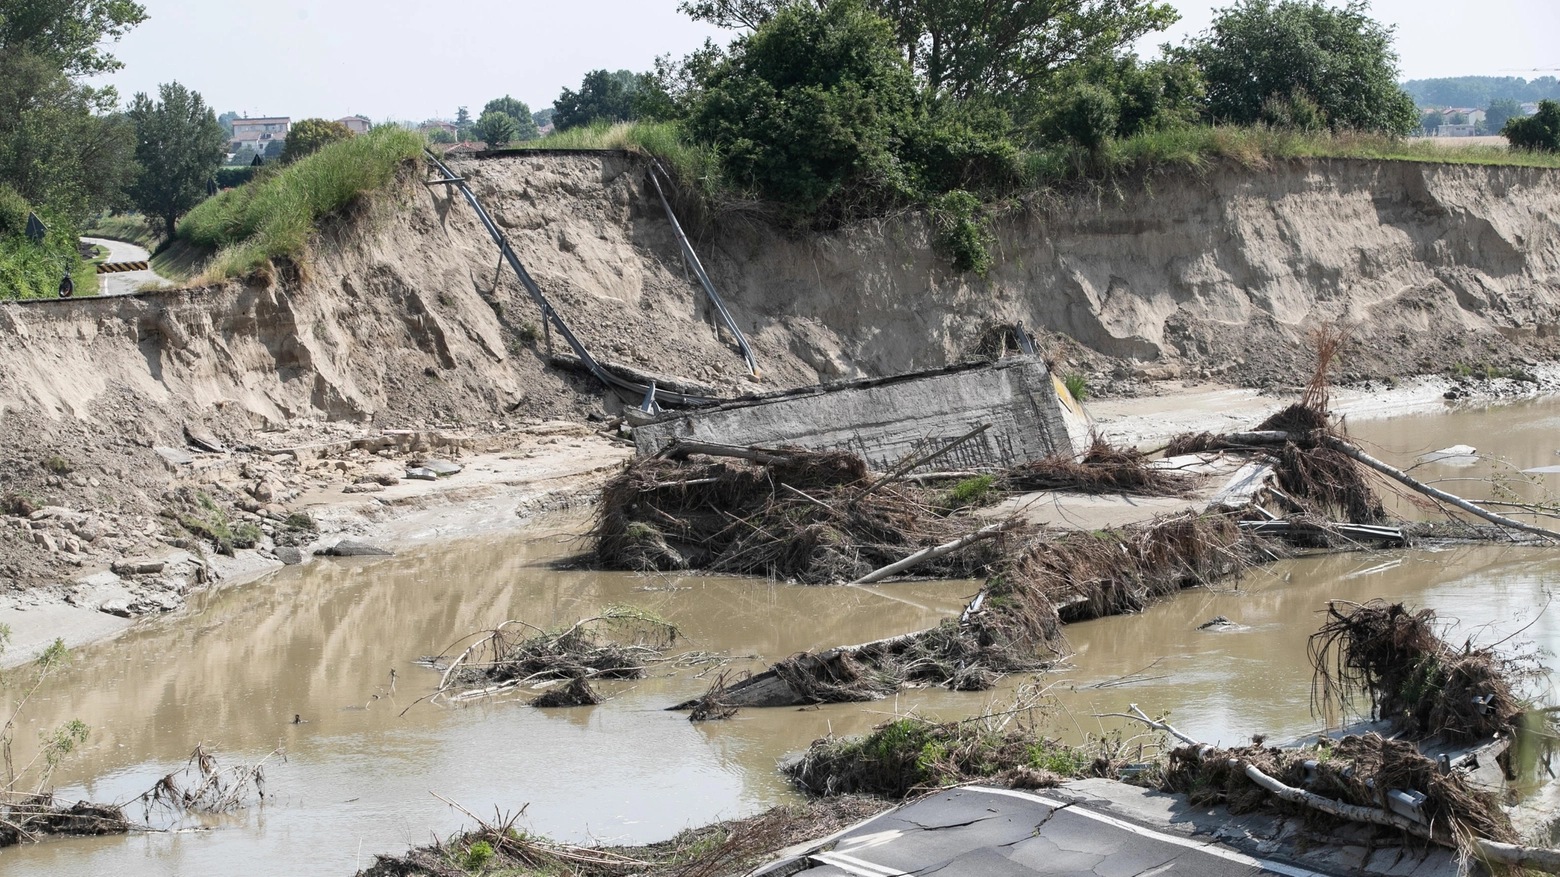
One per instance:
(886, 421)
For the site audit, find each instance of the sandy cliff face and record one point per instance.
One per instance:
(405, 315)
(1197, 269)
(402, 318)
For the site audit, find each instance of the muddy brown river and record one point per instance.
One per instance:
(319, 642)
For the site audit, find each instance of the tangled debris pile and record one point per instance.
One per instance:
(1361, 770)
(1412, 677)
(731, 847)
(1102, 469)
(789, 513)
(909, 754)
(30, 816)
(516, 654)
(1015, 624)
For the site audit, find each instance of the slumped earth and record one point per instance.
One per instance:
(320, 642)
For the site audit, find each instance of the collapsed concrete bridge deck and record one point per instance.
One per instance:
(887, 420)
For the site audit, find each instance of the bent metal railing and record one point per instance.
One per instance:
(651, 393)
(698, 268)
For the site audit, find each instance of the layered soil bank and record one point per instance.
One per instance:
(402, 320)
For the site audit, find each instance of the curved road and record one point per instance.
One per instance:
(129, 281)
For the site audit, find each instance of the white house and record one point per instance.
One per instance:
(257, 133)
(356, 124)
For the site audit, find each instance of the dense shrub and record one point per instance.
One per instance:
(808, 111)
(1539, 132)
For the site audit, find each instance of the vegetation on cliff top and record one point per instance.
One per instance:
(276, 215)
(836, 110)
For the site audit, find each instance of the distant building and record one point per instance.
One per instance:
(257, 133)
(1456, 131)
(1530, 108)
(544, 130)
(439, 125)
(356, 124)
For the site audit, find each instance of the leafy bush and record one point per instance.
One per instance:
(970, 491)
(959, 221)
(808, 110)
(309, 136)
(1089, 115)
(13, 211)
(1339, 56)
(478, 855)
(277, 215)
(1539, 132)
(1295, 111)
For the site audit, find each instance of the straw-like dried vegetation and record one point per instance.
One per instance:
(1395, 658)
(620, 643)
(1102, 469)
(30, 817)
(795, 518)
(731, 847)
(1357, 770)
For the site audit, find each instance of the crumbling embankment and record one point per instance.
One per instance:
(402, 318)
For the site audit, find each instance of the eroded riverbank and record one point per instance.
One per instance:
(319, 642)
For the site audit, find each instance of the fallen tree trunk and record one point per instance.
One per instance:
(929, 553)
(1273, 437)
(1402, 477)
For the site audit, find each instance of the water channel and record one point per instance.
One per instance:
(319, 642)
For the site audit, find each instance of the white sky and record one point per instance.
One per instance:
(393, 59)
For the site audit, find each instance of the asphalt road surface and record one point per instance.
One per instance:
(128, 281)
(980, 832)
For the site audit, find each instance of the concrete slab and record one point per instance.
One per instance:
(886, 420)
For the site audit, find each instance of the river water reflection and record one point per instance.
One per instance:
(320, 641)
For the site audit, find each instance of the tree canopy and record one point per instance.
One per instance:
(308, 136)
(179, 146)
(54, 150)
(809, 108)
(525, 125)
(603, 97)
(1337, 57)
(496, 128)
(1499, 111)
(68, 34)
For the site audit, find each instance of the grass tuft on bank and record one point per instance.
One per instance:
(277, 215)
(665, 141)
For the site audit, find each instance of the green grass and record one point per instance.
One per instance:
(30, 271)
(277, 215)
(1198, 147)
(181, 262)
(687, 160)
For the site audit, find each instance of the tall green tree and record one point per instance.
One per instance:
(603, 97)
(525, 126)
(964, 47)
(496, 129)
(68, 34)
(179, 146)
(1338, 57)
(56, 150)
(308, 136)
(1432, 121)
(809, 110)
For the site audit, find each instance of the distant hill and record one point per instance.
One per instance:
(1478, 91)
